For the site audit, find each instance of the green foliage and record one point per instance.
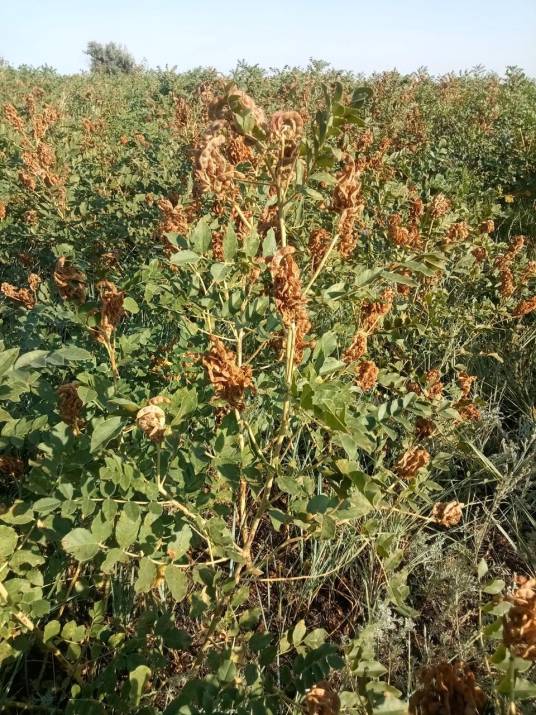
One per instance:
(210, 502)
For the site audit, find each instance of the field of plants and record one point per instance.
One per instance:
(267, 393)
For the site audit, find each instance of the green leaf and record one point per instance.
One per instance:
(176, 581)
(269, 245)
(183, 257)
(482, 569)
(130, 305)
(146, 576)
(138, 679)
(230, 243)
(126, 530)
(51, 629)
(201, 236)
(81, 543)
(494, 587)
(8, 541)
(299, 632)
(104, 432)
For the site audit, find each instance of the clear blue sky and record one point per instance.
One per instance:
(360, 35)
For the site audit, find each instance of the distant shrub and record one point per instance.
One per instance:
(110, 58)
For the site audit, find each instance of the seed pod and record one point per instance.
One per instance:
(152, 422)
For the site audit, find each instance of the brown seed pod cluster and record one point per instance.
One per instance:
(172, 220)
(525, 307)
(479, 253)
(466, 381)
(411, 462)
(357, 349)
(487, 226)
(70, 406)
(400, 235)
(319, 241)
(230, 381)
(214, 173)
(447, 688)
(69, 280)
(289, 298)
(367, 374)
(151, 420)
(25, 296)
(373, 313)
(439, 206)
(322, 699)
(11, 466)
(348, 202)
(519, 624)
(3, 210)
(468, 411)
(111, 310)
(457, 233)
(434, 386)
(447, 513)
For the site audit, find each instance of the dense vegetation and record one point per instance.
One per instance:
(267, 381)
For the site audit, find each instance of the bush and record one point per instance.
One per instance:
(110, 58)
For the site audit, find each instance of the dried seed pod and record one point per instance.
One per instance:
(373, 313)
(214, 173)
(152, 422)
(519, 624)
(468, 410)
(319, 241)
(69, 280)
(228, 379)
(357, 349)
(457, 232)
(3, 210)
(447, 513)
(525, 307)
(111, 310)
(480, 254)
(322, 699)
(465, 381)
(70, 406)
(507, 282)
(367, 374)
(411, 461)
(446, 689)
(287, 126)
(288, 295)
(487, 226)
(20, 295)
(439, 206)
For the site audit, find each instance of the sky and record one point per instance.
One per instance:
(358, 35)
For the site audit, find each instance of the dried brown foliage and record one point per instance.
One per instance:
(70, 406)
(111, 310)
(446, 689)
(357, 349)
(411, 461)
(25, 296)
(373, 313)
(424, 427)
(525, 307)
(519, 624)
(367, 374)
(447, 513)
(439, 206)
(319, 241)
(322, 699)
(230, 381)
(289, 298)
(69, 280)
